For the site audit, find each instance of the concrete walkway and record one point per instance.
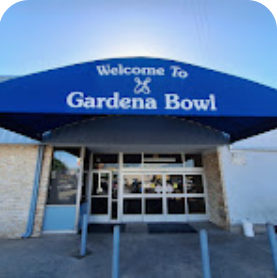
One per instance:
(142, 255)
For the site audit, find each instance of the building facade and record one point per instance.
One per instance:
(125, 144)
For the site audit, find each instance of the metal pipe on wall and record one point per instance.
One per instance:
(33, 205)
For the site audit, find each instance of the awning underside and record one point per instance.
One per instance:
(35, 125)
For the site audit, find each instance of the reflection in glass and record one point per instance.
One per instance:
(64, 177)
(132, 206)
(100, 184)
(194, 184)
(132, 184)
(154, 206)
(105, 161)
(153, 184)
(196, 205)
(174, 184)
(132, 160)
(99, 205)
(162, 160)
(193, 160)
(176, 205)
(115, 186)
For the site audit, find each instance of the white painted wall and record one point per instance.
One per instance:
(251, 183)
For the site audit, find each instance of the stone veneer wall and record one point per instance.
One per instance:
(17, 172)
(217, 206)
(17, 168)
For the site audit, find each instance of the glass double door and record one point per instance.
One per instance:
(162, 197)
(153, 197)
(146, 197)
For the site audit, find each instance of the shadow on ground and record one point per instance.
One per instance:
(143, 255)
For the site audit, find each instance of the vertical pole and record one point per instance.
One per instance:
(205, 254)
(120, 188)
(116, 241)
(273, 245)
(90, 184)
(84, 235)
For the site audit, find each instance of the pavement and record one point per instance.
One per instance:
(142, 255)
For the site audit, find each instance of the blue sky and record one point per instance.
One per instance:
(234, 36)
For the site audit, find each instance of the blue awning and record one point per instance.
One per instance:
(37, 103)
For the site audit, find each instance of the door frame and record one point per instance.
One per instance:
(105, 218)
(165, 217)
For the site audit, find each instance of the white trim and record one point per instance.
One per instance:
(205, 185)
(167, 170)
(120, 188)
(159, 159)
(79, 188)
(60, 232)
(90, 185)
(99, 218)
(132, 218)
(197, 217)
(92, 220)
(60, 205)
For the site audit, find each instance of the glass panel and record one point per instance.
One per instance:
(176, 205)
(132, 206)
(102, 187)
(194, 184)
(153, 184)
(105, 161)
(99, 205)
(64, 177)
(132, 184)
(132, 160)
(162, 160)
(174, 184)
(196, 205)
(154, 206)
(193, 160)
(114, 210)
(115, 186)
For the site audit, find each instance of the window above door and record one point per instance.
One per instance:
(164, 161)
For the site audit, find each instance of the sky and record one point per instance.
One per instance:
(238, 37)
(233, 36)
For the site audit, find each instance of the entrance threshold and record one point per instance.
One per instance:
(150, 228)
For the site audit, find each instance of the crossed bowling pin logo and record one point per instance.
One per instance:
(142, 86)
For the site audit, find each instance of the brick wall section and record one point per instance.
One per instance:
(17, 170)
(42, 194)
(218, 210)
